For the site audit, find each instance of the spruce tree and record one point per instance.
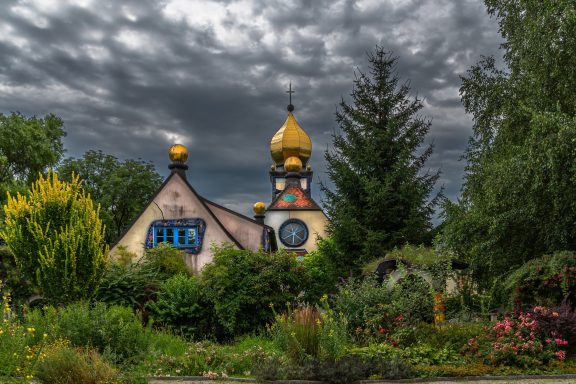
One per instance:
(381, 194)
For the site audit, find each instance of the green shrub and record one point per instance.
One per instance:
(20, 288)
(548, 280)
(239, 359)
(167, 260)
(134, 282)
(421, 353)
(66, 365)
(322, 274)
(515, 341)
(412, 300)
(57, 238)
(21, 346)
(112, 330)
(454, 336)
(131, 284)
(181, 307)
(366, 306)
(241, 285)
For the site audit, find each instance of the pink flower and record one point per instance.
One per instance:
(561, 342)
(399, 318)
(561, 355)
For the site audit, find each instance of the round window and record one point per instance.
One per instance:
(293, 233)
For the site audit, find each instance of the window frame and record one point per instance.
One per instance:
(154, 237)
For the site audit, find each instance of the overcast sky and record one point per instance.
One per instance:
(133, 77)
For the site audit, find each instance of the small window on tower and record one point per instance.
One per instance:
(280, 183)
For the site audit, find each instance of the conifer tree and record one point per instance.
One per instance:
(57, 238)
(381, 195)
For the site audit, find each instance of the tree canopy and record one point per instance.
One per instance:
(381, 194)
(28, 146)
(517, 201)
(122, 188)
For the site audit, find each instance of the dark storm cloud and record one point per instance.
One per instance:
(133, 77)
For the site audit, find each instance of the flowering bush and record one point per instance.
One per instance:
(18, 352)
(557, 322)
(548, 280)
(516, 342)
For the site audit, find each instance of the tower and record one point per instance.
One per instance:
(296, 218)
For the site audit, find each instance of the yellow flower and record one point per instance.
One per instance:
(31, 330)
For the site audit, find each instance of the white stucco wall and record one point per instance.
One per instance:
(175, 201)
(316, 221)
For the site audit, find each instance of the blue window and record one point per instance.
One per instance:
(177, 236)
(186, 234)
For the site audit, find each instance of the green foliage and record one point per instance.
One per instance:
(365, 304)
(420, 353)
(548, 280)
(515, 341)
(180, 305)
(112, 330)
(57, 238)
(122, 188)
(381, 195)
(167, 260)
(517, 202)
(348, 369)
(322, 271)
(448, 336)
(202, 358)
(28, 146)
(80, 366)
(20, 289)
(242, 285)
(133, 282)
(306, 333)
(411, 299)
(20, 350)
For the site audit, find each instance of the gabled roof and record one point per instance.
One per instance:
(204, 202)
(293, 197)
(211, 203)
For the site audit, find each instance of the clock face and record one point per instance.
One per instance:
(293, 233)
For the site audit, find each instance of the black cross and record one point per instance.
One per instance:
(290, 92)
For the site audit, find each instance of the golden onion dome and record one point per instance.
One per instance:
(259, 208)
(293, 164)
(178, 153)
(290, 140)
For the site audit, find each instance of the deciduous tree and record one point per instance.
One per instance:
(122, 188)
(28, 146)
(518, 200)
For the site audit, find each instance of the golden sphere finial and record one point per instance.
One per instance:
(178, 153)
(293, 164)
(259, 208)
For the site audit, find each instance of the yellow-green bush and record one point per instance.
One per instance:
(57, 238)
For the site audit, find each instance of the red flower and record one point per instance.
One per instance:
(399, 318)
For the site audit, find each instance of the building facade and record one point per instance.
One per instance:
(177, 215)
